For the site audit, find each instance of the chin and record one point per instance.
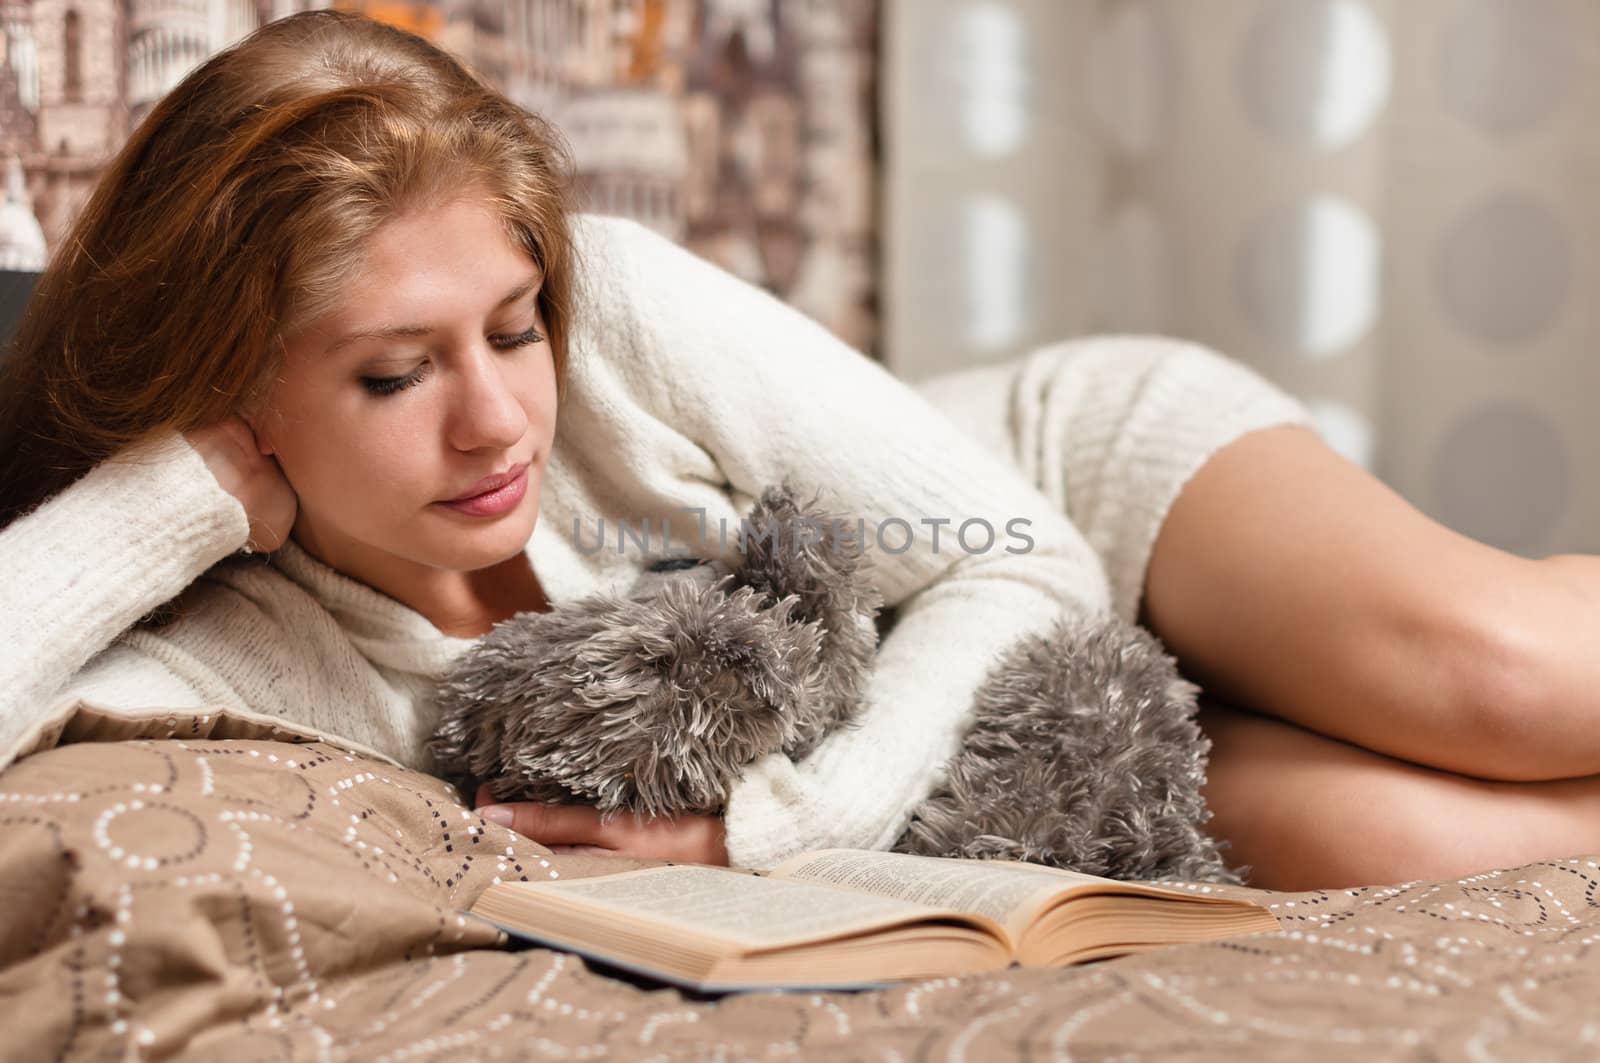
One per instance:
(468, 552)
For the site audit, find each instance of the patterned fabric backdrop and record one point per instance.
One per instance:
(1387, 206)
(741, 128)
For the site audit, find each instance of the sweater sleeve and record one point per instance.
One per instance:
(84, 566)
(969, 553)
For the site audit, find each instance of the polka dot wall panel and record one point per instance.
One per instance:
(1386, 206)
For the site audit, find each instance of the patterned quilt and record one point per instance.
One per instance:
(251, 900)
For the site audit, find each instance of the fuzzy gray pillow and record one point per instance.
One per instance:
(1084, 752)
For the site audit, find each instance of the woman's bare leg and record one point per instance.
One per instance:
(1308, 812)
(1290, 581)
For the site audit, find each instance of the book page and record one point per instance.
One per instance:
(1010, 895)
(745, 909)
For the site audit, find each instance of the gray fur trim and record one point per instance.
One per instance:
(655, 701)
(827, 571)
(654, 704)
(1085, 755)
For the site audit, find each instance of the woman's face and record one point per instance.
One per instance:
(432, 373)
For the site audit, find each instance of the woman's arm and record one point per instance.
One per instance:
(768, 394)
(87, 564)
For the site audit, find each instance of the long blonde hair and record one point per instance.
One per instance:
(234, 214)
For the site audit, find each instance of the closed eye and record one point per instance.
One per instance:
(392, 385)
(388, 385)
(521, 339)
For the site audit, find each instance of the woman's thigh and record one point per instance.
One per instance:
(1283, 577)
(1291, 581)
(1309, 812)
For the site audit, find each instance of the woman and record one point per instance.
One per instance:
(326, 305)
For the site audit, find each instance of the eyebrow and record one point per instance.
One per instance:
(401, 331)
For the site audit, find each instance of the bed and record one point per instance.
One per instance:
(221, 897)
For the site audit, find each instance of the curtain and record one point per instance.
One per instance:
(1386, 206)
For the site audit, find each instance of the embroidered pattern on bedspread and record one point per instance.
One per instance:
(244, 899)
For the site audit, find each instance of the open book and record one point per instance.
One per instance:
(848, 918)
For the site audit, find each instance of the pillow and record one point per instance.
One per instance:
(169, 885)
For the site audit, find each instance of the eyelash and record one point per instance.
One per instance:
(384, 386)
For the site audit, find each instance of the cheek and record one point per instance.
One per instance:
(337, 459)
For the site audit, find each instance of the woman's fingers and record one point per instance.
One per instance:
(559, 824)
(241, 467)
(549, 825)
(581, 850)
(581, 828)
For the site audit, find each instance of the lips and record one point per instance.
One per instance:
(490, 483)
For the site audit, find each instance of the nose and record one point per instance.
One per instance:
(485, 410)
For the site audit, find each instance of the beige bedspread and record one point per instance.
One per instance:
(254, 900)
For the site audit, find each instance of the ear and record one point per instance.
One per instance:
(263, 444)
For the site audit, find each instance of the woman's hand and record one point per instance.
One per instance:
(231, 453)
(577, 829)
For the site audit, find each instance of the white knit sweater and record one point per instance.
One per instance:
(688, 390)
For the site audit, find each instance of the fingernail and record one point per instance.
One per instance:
(497, 814)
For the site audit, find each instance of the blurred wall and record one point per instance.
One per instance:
(1387, 206)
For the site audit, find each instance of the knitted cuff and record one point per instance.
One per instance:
(129, 535)
(1123, 423)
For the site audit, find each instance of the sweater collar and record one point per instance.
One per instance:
(385, 630)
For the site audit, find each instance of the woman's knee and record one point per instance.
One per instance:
(1524, 691)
